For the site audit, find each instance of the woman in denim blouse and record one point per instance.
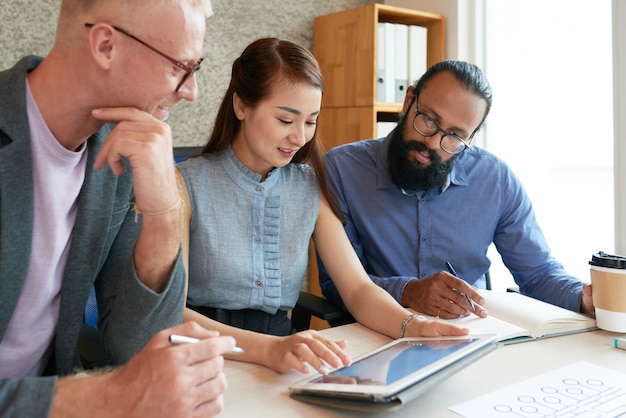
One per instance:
(254, 199)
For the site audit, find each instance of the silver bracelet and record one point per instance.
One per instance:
(406, 321)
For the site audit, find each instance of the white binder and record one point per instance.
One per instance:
(401, 53)
(417, 52)
(380, 63)
(390, 62)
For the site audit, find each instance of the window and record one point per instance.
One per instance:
(550, 66)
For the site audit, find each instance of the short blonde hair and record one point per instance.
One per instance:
(76, 10)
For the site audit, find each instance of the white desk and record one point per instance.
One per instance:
(254, 391)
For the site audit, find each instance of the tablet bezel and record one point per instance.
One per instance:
(384, 393)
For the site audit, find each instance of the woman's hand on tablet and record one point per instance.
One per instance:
(304, 350)
(433, 328)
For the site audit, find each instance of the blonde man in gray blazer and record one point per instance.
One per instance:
(88, 196)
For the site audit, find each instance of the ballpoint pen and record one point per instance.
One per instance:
(183, 339)
(453, 272)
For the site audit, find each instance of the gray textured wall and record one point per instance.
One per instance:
(27, 27)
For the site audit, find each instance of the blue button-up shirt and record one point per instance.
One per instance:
(400, 237)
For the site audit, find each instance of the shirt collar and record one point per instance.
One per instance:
(244, 176)
(458, 175)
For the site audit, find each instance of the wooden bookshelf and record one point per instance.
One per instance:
(344, 43)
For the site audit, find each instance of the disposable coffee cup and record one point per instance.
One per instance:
(608, 283)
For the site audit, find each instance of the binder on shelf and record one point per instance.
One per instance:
(417, 52)
(380, 63)
(390, 62)
(401, 59)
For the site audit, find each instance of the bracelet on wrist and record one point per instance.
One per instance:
(160, 212)
(406, 321)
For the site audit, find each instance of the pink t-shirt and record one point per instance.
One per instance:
(58, 176)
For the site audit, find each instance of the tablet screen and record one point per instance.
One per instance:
(381, 374)
(395, 362)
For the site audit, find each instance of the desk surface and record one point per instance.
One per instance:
(255, 391)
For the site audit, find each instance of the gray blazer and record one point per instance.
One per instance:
(101, 253)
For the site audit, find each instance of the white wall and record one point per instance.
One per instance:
(619, 111)
(552, 118)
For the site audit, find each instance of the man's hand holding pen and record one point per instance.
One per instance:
(443, 295)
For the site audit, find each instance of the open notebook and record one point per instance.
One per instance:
(514, 317)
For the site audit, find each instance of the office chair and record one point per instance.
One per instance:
(309, 305)
(182, 153)
(90, 343)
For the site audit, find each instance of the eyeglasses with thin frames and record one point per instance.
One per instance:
(189, 71)
(449, 142)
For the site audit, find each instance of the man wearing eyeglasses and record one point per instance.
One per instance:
(88, 195)
(422, 205)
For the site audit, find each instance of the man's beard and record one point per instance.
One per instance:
(410, 175)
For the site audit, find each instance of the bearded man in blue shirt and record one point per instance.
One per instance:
(422, 200)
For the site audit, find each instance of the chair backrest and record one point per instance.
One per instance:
(182, 153)
(91, 309)
(487, 280)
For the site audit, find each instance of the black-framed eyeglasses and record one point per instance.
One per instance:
(189, 71)
(449, 142)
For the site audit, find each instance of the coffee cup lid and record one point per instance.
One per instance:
(603, 259)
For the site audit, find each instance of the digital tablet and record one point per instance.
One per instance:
(384, 373)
